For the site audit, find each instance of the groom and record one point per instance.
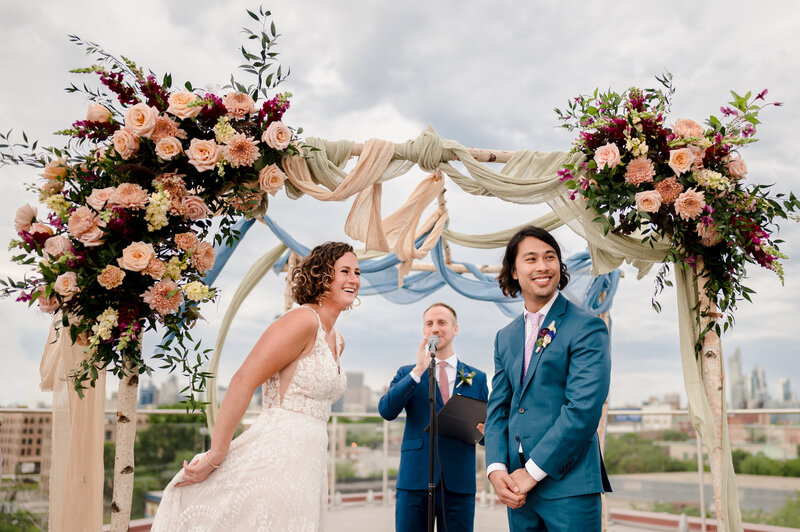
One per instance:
(454, 469)
(552, 372)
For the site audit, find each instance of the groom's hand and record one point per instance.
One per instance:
(523, 480)
(506, 489)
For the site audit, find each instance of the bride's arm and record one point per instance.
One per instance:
(281, 344)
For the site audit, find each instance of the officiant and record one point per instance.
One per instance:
(454, 462)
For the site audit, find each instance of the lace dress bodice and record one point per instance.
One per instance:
(318, 381)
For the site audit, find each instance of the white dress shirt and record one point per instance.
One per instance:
(530, 466)
(450, 367)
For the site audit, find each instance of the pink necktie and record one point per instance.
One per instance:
(444, 384)
(535, 319)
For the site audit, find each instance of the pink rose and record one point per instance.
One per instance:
(38, 227)
(81, 220)
(24, 218)
(689, 204)
(125, 142)
(648, 201)
(271, 178)
(194, 207)
(141, 119)
(47, 304)
(93, 237)
(100, 198)
(709, 236)
(203, 154)
(736, 167)
(57, 245)
(97, 113)
(168, 148)
(55, 169)
(277, 136)
(130, 196)
(699, 154)
(607, 155)
(680, 160)
(136, 256)
(66, 285)
(179, 104)
(238, 104)
(686, 127)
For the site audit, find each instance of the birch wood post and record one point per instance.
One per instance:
(288, 301)
(711, 354)
(442, 204)
(123, 458)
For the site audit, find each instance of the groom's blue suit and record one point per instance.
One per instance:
(554, 414)
(456, 459)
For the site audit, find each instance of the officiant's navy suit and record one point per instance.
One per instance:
(456, 458)
(554, 414)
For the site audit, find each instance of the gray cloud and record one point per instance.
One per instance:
(487, 76)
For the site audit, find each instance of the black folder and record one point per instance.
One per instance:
(459, 417)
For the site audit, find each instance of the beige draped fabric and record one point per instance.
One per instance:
(76, 469)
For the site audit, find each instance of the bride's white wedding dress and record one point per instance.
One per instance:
(274, 477)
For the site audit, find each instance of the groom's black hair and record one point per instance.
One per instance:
(508, 284)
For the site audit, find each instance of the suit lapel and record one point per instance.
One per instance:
(517, 348)
(554, 315)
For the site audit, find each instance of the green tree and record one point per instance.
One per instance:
(758, 464)
(789, 514)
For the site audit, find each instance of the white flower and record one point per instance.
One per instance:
(196, 291)
(157, 209)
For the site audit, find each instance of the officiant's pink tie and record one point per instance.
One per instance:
(535, 319)
(444, 384)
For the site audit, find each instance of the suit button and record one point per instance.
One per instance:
(521, 410)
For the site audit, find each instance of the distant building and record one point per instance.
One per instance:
(148, 395)
(739, 392)
(169, 392)
(24, 440)
(357, 397)
(759, 393)
(783, 391)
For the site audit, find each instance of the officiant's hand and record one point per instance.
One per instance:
(524, 480)
(423, 360)
(506, 489)
(480, 428)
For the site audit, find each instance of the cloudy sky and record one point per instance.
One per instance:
(485, 74)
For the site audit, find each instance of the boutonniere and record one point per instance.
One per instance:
(545, 336)
(465, 378)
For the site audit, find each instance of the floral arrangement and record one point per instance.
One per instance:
(120, 242)
(678, 182)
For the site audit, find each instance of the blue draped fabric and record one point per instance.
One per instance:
(379, 276)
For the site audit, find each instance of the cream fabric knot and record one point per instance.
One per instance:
(426, 150)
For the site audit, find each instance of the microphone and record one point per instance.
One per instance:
(432, 343)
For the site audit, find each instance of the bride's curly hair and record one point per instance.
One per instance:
(311, 280)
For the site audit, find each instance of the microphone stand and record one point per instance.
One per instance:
(432, 399)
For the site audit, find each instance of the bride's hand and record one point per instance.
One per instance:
(198, 470)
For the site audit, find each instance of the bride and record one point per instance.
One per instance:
(273, 476)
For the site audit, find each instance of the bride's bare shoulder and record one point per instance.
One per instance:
(300, 320)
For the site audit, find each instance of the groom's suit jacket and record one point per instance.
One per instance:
(554, 413)
(456, 457)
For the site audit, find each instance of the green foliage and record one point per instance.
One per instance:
(18, 521)
(674, 435)
(788, 515)
(630, 453)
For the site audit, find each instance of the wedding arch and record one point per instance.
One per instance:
(526, 177)
(130, 201)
